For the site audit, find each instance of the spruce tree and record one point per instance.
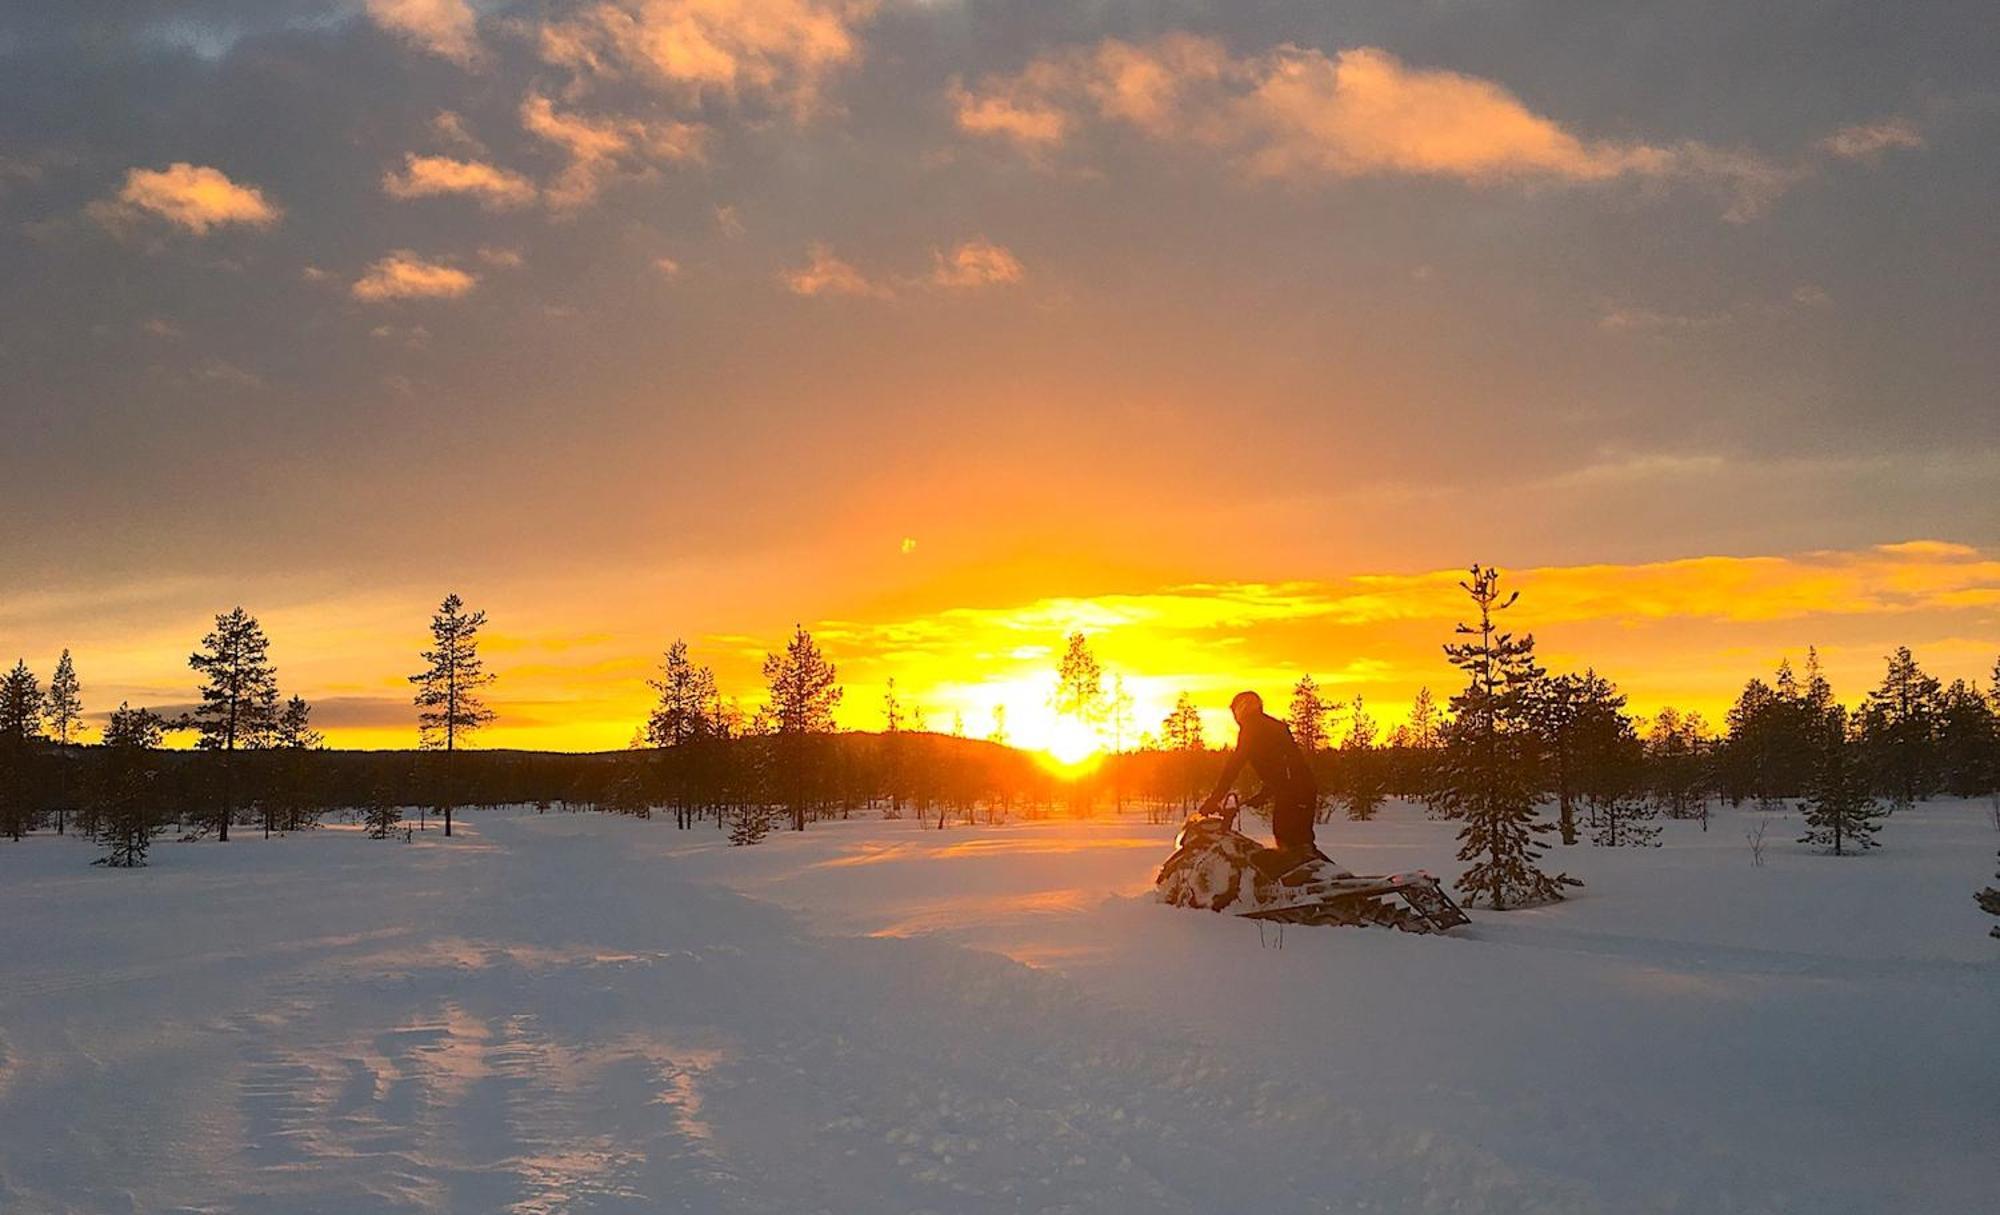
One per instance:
(127, 818)
(1623, 820)
(1488, 774)
(1839, 811)
(749, 824)
(382, 814)
(239, 698)
(20, 733)
(449, 707)
(21, 707)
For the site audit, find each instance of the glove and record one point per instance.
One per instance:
(1212, 806)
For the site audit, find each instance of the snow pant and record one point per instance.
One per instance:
(1292, 822)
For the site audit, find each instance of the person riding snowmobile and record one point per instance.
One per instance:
(1266, 744)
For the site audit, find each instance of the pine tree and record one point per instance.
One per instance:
(127, 819)
(1362, 786)
(239, 698)
(1676, 749)
(1899, 730)
(803, 693)
(1416, 742)
(686, 709)
(1308, 717)
(63, 706)
(1080, 683)
(291, 809)
(1747, 765)
(893, 756)
(1583, 736)
(63, 710)
(449, 707)
(1487, 777)
(686, 723)
(1181, 734)
(1840, 813)
(1968, 740)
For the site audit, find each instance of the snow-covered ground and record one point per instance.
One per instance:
(590, 1014)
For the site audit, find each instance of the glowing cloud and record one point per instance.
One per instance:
(403, 275)
(781, 50)
(496, 189)
(442, 27)
(826, 274)
(1300, 113)
(601, 150)
(975, 263)
(195, 197)
(1867, 141)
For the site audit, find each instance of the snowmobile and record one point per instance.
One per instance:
(1212, 868)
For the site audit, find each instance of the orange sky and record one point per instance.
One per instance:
(572, 656)
(946, 327)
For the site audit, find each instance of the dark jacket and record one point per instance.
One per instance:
(1266, 744)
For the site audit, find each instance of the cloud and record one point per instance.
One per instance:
(602, 150)
(500, 256)
(1805, 297)
(1867, 141)
(1297, 113)
(195, 197)
(448, 126)
(1648, 320)
(780, 51)
(1013, 107)
(667, 266)
(975, 263)
(826, 274)
(222, 371)
(496, 189)
(443, 27)
(403, 275)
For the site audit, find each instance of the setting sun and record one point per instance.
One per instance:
(1071, 743)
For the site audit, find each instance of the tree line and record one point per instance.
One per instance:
(1515, 741)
